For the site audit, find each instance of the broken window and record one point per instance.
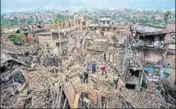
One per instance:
(55, 36)
(57, 44)
(134, 72)
(130, 86)
(148, 40)
(3, 69)
(173, 39)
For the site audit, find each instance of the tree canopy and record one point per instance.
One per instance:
(17, 38)
(167, 15)
(58, 20)
(95, 20)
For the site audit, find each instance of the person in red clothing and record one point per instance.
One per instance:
(102, 67)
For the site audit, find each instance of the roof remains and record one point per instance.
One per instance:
(146, 29)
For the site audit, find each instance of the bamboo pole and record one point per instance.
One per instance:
(60, 96)
(59, 30)
(65, 103)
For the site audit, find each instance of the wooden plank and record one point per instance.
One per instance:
(76, 101)
(69, 92)
(100, 102)
(107, 105)
(65, 103)
(60, 96)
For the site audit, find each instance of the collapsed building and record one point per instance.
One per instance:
(155, 47)
(105, 24)
(143, 60)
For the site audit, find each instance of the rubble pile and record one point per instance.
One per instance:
(38, 81)
(148, 98)
(41, 99)
(55, 79)
(40, 86)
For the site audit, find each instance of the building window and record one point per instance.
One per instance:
(57, 44)
(173, 38)
(55, 36)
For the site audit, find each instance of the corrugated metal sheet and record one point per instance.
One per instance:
(69, 92)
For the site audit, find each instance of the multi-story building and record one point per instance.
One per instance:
(155, 46)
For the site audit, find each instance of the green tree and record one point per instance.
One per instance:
(17, 38)
(15, 20)
(167, 15)
(58, 20)
(95, 20)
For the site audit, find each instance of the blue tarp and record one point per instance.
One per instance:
(149, 69)
(165, 73)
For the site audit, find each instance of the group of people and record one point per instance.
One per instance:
(93, 68)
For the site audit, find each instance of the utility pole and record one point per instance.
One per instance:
(60, 41)
(60, 51)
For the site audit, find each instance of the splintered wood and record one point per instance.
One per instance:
(39, 83)
(85, 48)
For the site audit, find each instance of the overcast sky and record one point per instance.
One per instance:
(16, 5)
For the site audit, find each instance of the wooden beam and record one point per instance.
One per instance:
(65, 103)
(60, 96)
(76, 101)
(100, 102)
(107, 105)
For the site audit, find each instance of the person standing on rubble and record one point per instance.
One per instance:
(105, 56)
(42, 60)
(70, 59)
(67, 75)
(103, 69)
(55, 70)
(86, 75)
(81, 77)
(55, 60)
(94, 68)
(116, 79)
(88, 67)
(51, 60)
(38, 59)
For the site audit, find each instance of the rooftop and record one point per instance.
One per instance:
(146, 29)
(105, 19)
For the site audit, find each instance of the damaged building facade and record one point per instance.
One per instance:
(155, 47)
